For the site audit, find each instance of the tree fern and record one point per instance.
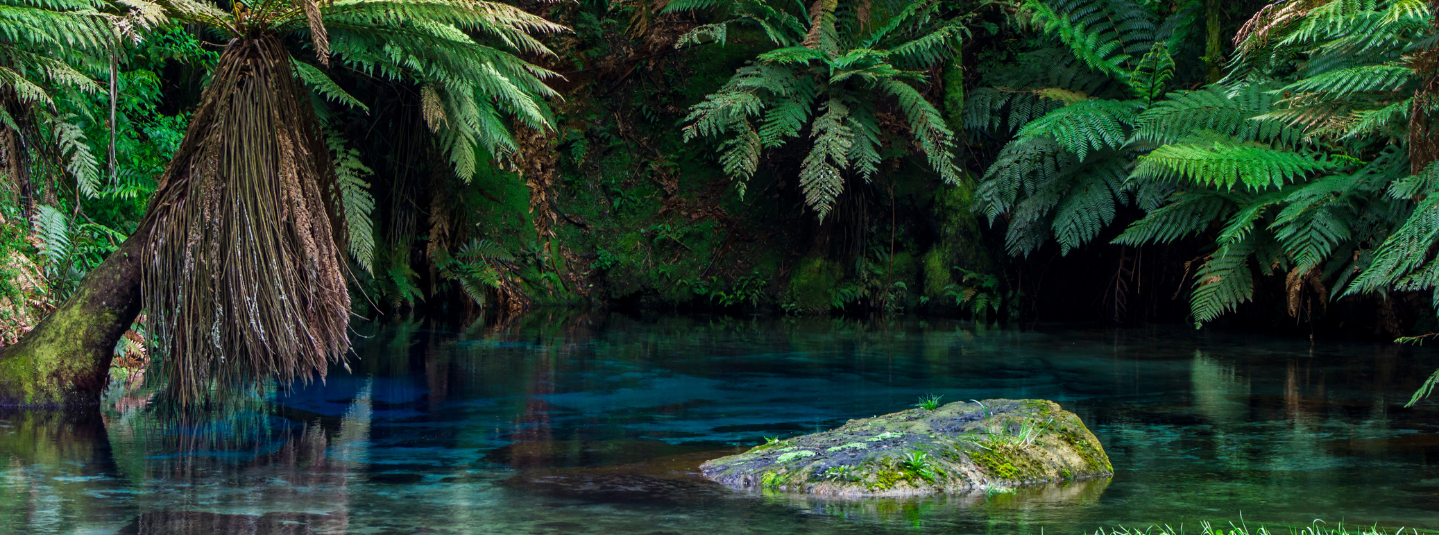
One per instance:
(826, 80)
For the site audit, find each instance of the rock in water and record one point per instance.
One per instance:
(962, 447)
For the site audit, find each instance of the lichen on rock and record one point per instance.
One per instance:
(962, 447)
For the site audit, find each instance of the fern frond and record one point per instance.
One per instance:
(1403, 252)
(1389, 121)
(1189, 213)
(1225, 164)
(1107, 35)
(1425, 183)
(1224, 282)
(80, 162)
(864, 153)
(1090, 203)
(1022, 166)
(1085, 126)
(1151, 76)
(484, 250)
(821, 177)
(1363, 79)
(927, 125)
(1316, 220)
(355, 200)
(1183, 113)
(321, 83)
(53, 230)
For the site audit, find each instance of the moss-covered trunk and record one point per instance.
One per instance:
(66, 359)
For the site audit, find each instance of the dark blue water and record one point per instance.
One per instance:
(594, 424)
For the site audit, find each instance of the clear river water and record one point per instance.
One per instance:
(563, 423)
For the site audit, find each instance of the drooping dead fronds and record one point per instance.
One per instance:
(1423, 145)
(1255, 32)
(244, 279)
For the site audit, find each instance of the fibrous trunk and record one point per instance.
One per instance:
(243, 279)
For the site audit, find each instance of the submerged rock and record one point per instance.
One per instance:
(962, 447)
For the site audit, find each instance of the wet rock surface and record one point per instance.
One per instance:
(959, 448)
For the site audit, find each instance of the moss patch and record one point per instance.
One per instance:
(812, 283)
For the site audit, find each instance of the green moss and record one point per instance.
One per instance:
(906, 269)
(937, 274)
(1087, 450)
(960, 228)
(954, 94)
(770, 479)
(794, 455)
(1009, 462)
(811, 283)
(45, 368)
(995, 464)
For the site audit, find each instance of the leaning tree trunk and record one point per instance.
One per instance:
(236, 259)
(66, 359)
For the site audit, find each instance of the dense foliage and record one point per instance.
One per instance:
(848, 156)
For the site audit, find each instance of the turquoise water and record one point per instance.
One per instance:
(594, 424)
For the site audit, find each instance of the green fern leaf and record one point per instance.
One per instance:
(1224, 165)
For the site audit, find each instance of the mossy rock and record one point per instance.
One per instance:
(962, 447)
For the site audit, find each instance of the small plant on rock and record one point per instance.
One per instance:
(918, 461)
(929, 402)
(839, 473)
(1023, 436)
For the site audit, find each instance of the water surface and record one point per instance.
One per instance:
(593, 424)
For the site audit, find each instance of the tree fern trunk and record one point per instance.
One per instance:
(65, 361)
(1213, 53)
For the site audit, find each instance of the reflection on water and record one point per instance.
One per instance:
(596, 424)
